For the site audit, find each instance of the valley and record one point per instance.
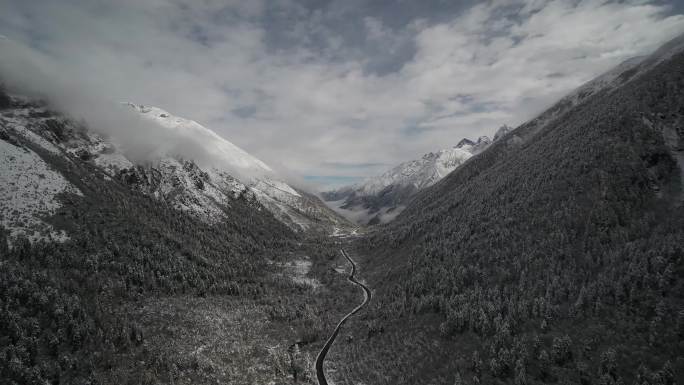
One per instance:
(320, 359)
(141, 247)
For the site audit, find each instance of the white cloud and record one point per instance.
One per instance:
(314, 103)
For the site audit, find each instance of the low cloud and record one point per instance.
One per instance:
(312, 88)
(28, 73)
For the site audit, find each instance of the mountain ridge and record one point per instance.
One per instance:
(205, 191)
(382, 197)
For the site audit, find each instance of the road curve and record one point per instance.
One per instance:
(320, 373)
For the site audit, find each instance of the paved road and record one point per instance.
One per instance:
(320, 373)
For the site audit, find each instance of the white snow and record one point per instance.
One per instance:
(420, 173)
(215, 145)
(298, 270)
(283, 201)
(426, 171)
(113, 162)
(415, 175)
(29, 189)
(18, 124)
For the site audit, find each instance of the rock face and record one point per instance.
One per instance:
(379, 199)
(29, 128)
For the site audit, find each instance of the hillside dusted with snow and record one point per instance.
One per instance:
(29, 190)
(205, 187)
(379, 199)
(230, 168)
(220, 152)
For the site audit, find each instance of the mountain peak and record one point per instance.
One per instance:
(465, 142)
(218, 150)
(502, 131)
(384, 196)
(483, 139)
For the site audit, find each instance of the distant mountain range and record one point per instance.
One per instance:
(379, 199)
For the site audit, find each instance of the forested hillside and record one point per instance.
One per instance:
(556, 256)
(64, 317)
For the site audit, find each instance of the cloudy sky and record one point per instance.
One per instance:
(340, 89)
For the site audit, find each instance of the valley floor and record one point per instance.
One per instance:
(269, 339)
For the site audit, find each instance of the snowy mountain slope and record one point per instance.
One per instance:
(206, 192)
(223, 152)
(185, 185)
(29, 189)
(292, 207)
(175, 181)
(379, 199)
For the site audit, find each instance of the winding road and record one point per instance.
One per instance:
(320, 373)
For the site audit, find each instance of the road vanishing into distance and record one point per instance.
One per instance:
(320, 373)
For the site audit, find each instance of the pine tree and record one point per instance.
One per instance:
(544, 364)
(458, 380)
(476, 363)
(520, 373)
(561, 349)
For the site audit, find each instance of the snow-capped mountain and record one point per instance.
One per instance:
(379, 199)
(230, 163)
(30, 133)
(221, 151)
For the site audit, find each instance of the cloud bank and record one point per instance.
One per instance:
(338, 89)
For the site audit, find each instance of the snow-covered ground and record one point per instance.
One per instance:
(29, 189)
(298, 270)
(220, 150)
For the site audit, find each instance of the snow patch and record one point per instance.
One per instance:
(215, 145)
(29, 189)
(419, 173)
(18, 125)
(298, 270)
